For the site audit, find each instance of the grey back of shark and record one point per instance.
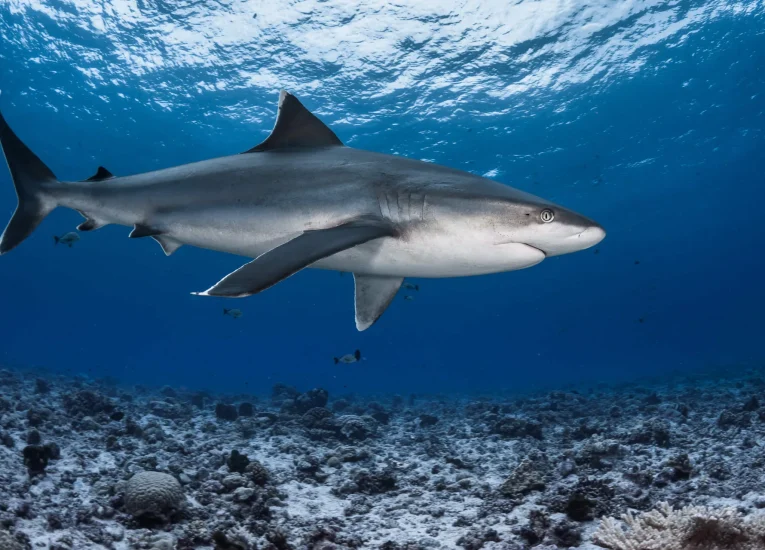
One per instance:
(303, 199)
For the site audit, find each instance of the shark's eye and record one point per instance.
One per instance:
(547, 215)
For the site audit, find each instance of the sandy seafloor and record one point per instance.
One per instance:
(386, 471)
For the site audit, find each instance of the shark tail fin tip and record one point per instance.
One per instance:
(30, 176)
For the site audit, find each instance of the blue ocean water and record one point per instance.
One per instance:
(647, 116)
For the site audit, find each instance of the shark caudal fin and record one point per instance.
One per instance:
(29, 176)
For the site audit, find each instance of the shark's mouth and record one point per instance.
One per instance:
(535, 248)
(522, 243)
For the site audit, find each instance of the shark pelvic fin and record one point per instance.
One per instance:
(90, 224)
(100, 175)
(141, 230)
(296, 126)
(279, 263)
(374, 293)
(169, 245)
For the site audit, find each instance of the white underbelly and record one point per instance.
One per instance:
(395, 258)
(421, 255)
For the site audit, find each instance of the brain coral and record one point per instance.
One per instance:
(153, 493)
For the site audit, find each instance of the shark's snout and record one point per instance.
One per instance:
(572, 234)
(589, 237)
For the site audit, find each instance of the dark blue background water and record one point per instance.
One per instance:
(646, 116)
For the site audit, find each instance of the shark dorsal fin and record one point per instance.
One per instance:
(101, 174)
(296, 126)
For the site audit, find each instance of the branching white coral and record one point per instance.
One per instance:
(689, 528)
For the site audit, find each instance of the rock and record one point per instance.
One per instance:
(282, 392)
(476, 539)
(428, 420)
(513, 427)
(681, 467)
(566, 534)
(246, 409)
(651, 432)
(36, 417)
(589, 499)
(237, 462)
(567, 467)
(382, 417)
(169, 409)
(52, 450)
(751, 405)
(535, 530)
(316, 397)
(36, 459)
(340, 405)
(375, 483)
(87, 403)
(243, 494)
(318, 417)
(729, 418)
(7, 440)
(525, 478)
(8, 542)
(356, 427)
(226, 412)
(257, 473)
(233, 481)
(198, 400)
(42, 386)
(132, 428)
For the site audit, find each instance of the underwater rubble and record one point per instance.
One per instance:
(672, 464)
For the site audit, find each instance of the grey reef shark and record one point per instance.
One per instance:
(303, 199)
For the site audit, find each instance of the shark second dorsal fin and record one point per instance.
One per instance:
(296, 126)
(100, 175)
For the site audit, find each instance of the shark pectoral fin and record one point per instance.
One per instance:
(169, 245)
(296, 126)
(374, 293)
(279, 263)
(100, 175)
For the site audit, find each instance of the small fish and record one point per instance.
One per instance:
(410, 286)
(68, 239)
(349, 358)
(235, 313)
(409, 298)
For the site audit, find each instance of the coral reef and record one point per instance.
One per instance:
(153, 494)
(689, 528)
(91, 464)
